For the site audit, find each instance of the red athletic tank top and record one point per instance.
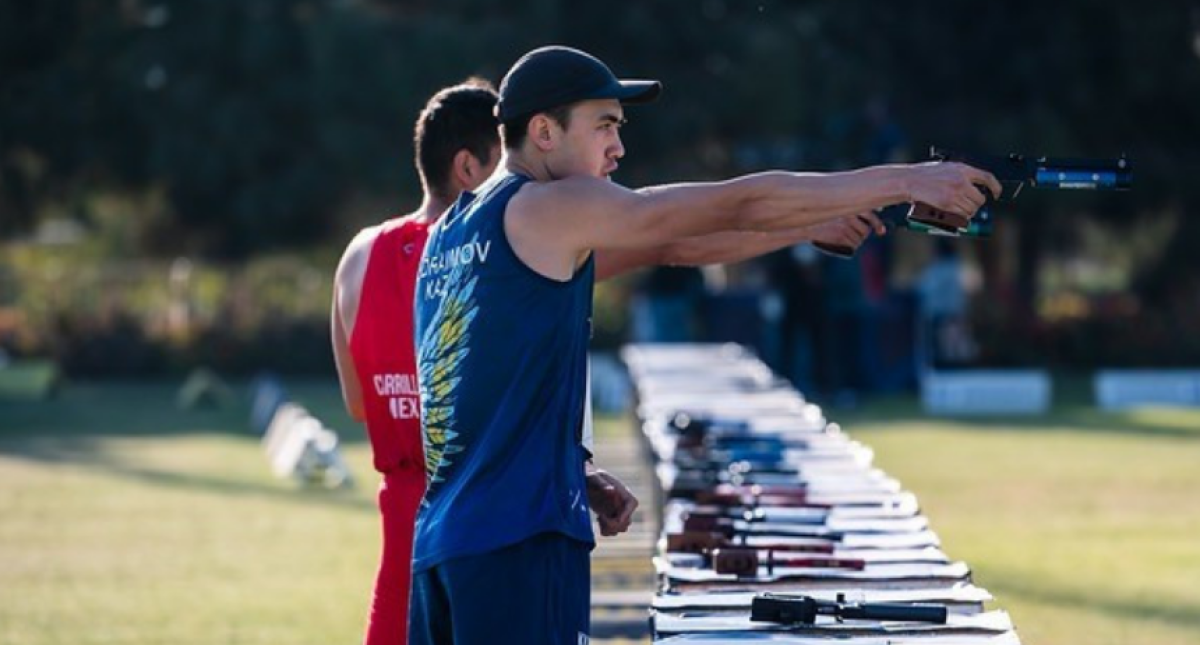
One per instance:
(383, 349)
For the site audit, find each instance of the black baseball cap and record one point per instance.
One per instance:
(550, 77)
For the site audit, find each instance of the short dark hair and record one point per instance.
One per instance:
(513, 132)
(456, 118)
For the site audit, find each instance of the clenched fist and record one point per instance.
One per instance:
(610, 500)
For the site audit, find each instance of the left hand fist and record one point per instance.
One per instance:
(611, 501)
(849, 232)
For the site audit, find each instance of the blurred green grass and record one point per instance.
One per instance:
(125, 520)
(1084, 524)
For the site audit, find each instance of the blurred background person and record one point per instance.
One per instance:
(795, 275)
(943, 332)
(664, 305)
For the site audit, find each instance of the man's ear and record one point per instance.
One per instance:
(543, 132)
(465, 169)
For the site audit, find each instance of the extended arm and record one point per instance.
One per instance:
(551, 225)
(735, 246)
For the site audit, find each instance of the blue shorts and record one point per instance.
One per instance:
(533, 592)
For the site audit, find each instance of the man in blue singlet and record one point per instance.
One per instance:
(503, 317)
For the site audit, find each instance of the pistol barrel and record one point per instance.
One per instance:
(1083, 174)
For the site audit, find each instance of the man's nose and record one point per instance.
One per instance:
(618, 149)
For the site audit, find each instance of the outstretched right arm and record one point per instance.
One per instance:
(553, 225)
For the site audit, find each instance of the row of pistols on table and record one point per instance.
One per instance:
(776, 527)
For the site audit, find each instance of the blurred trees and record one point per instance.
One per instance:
(258, 120)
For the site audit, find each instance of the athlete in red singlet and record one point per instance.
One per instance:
(457, 148)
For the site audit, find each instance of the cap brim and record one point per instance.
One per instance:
(638, 91)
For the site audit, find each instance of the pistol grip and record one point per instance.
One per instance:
(836, 250)
(741, 562)
(941, 220)
(694, 541)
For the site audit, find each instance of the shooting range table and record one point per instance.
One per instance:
(758, 492)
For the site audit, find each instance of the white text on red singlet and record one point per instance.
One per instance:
(401, 393)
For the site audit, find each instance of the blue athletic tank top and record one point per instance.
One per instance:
(501, 358)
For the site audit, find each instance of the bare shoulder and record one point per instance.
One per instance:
(571, 195)
(353, 264)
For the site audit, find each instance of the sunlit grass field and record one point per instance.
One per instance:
(1084, 525)
(125, 520)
